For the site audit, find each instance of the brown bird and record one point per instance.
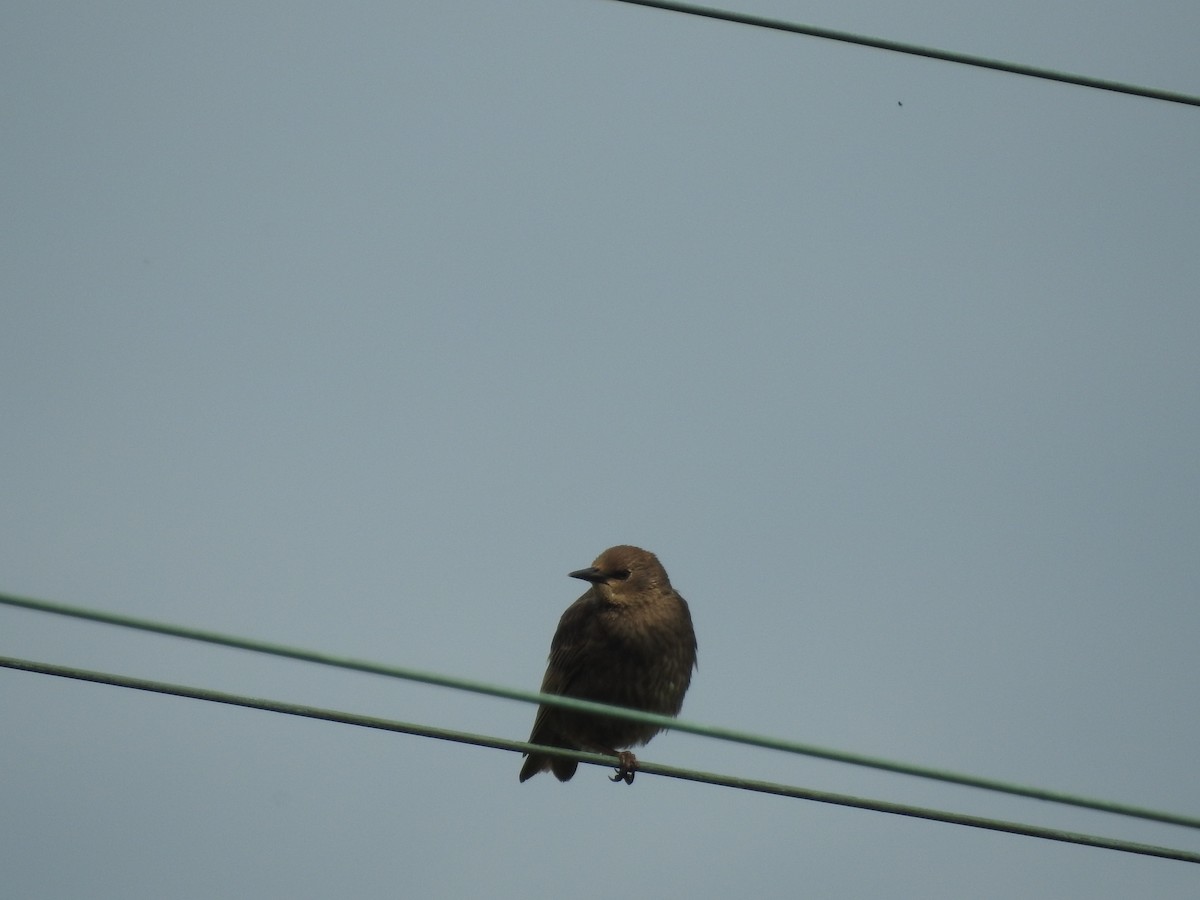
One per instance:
(627, 641)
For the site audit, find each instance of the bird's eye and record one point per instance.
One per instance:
(621, 575)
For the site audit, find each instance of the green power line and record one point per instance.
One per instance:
(725, 734)
(479, 740)
(965, 59)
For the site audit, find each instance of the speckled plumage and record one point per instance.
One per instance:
(627, 641)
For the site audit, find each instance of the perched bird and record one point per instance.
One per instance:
(627, 641)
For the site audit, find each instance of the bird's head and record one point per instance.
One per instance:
(623, 574)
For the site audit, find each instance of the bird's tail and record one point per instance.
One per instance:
(562, 767)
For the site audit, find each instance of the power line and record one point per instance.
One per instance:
(726, 734)
(765, 787)
(965, 59)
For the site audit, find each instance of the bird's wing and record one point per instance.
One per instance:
(575, 630)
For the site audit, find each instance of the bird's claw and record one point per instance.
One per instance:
(626, 768)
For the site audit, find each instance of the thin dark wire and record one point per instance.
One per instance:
(765, 787)
(726, 734)
(916, 50)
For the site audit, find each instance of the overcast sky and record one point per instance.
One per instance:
(357, 326)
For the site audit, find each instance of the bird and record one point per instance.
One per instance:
(628, 641)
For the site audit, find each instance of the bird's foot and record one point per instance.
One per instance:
(627, 767)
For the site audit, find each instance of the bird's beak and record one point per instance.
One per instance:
(591, 574)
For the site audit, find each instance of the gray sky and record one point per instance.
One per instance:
(357, 327)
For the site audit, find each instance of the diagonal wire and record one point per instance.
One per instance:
(965, 59)
(666, 722)
(479, 740)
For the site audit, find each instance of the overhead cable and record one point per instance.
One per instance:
(765, 787)
(725, 734)
(965, 59)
